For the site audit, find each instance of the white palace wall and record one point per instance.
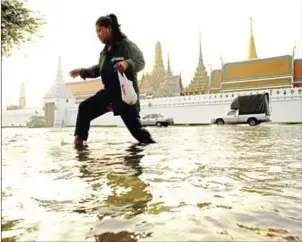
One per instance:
(286, 107)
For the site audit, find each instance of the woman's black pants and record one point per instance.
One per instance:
(96, 106)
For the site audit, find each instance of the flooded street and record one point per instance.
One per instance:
(197, 183)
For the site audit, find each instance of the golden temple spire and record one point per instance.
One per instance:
(221, 59)
(181, 87)
(252, 53)
(169, 72)
(294, 48)
(200, 82)
(158, 63)
(200, 62)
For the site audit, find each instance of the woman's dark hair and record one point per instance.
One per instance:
(111, 20)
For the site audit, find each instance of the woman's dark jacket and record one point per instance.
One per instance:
(121, 50)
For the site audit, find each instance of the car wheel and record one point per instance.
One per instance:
(219, 121)
(158, 124)
(252, 122)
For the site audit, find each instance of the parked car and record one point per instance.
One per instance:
(250, 109)
(157, 120)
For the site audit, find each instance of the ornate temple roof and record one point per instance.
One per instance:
(85, 87)
(200, 82)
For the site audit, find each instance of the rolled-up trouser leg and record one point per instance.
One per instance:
(88, 110)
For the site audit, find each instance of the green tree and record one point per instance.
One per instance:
(18, 25)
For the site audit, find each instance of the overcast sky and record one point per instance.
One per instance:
(224, 25)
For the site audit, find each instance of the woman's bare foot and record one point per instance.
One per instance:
(78, 141)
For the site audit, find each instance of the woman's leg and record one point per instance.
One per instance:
(90, 109)
(133, 123)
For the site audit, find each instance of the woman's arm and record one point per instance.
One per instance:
(92, 72)
(134, 56)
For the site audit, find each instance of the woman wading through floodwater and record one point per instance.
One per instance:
(119, 54)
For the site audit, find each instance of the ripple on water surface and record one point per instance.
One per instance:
(196, 183)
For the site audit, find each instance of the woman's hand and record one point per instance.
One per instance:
(121, 66)
(75, 73)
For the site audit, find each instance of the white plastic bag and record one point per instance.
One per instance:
(128, 93)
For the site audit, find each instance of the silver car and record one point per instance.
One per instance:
(157, 120)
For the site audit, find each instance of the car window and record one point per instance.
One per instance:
(147, 116)
(154, 115)
(231, 112)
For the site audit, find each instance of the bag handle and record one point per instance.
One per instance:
(123, 75)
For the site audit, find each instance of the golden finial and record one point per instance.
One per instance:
(221, 59)
(294, 48)
(252, 53)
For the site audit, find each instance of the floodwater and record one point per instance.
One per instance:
(197, 183)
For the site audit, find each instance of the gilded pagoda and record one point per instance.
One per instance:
(161, 82)
(200, 82)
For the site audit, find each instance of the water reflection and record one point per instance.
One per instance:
(121, 236)
(123, 194)
(9, 225)
(213, 183)
(83, 152)
(133, 158)
(113, 237)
